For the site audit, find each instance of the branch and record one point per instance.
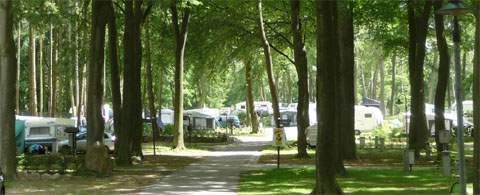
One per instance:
(185, 20)
(119, 7)
(281, 53)
(147, 11)
(280, 34)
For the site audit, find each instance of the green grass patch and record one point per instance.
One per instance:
(360, 181)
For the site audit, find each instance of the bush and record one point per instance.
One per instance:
(242, 116)
(266, 120)
(168, 129)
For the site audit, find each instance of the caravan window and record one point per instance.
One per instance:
(242, 107)
(368, 115)
(39, 131)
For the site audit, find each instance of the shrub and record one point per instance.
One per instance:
(168, 129)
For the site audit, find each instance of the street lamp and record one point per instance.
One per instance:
(456, 8)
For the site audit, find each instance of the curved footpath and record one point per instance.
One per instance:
(218, 174)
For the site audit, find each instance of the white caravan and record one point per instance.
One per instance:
(366, 120)
(263, 107)
(46, 131)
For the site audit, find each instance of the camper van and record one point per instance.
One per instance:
(366, 120)
(263, 107)
(47, 132)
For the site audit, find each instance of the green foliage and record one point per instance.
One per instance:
(168, 129)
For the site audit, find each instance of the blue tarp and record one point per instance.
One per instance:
(20, 136)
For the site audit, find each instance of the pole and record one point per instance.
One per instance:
(458, 99)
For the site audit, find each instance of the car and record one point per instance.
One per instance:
(108, 139)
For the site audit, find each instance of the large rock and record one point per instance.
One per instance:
(97, 159)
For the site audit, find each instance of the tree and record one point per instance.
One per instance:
(96, 158)
(443, 75)
(345, 83)
(301, 65)
(250, 99)
(131, 133)
(8, 68)
(151, 96)
(328, 60)
(418, 26)
(394, 84)
(33, 78)
(180, 32)
(476, 100)
(269, 66)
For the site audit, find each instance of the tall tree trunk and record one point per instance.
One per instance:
(364, 83)
(8, 74)
(433, 79)
(476, 101)
(269, 67)
(382, 84)
(328, 60)
(301, 66)
(418, 23)
(180, 40)
(40, 77)
(130, 136)
(19, 52)
(33, 106)
(96, 158)
(443, 76)
(373, 83)
(250, 98)
(52, 74)
(394, 84)
(114, 72)
(78, 80)
(160, 93)
(151, 96)
(345, 95)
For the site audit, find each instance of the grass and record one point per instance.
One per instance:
(366, 157)
(368, 181)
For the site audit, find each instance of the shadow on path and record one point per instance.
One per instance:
(219, 173)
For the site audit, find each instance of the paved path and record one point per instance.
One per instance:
(219, 173)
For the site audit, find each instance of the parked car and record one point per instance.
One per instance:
(108, 140)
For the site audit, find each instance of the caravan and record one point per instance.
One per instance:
(47, 132)
(367, 119)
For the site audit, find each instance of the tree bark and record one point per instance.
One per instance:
(301, 66)
(19, 52)
(394, 85)
(8, 74)
(52, 75)
(433, 79)
(130, 136)
(382, 84)
(345, 85)
(33, 106)
(40, 77)
(269, 67)
(328, 60)
(250, 98)
(476, 101)
(443, 76)
(151, 96)
(114, 73)
(180, 40)
(96, 158)
(418, 23)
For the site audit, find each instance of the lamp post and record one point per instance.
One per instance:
(456, 8)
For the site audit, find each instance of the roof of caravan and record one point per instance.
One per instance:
(46, 121)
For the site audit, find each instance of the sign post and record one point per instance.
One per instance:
(279, 140)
